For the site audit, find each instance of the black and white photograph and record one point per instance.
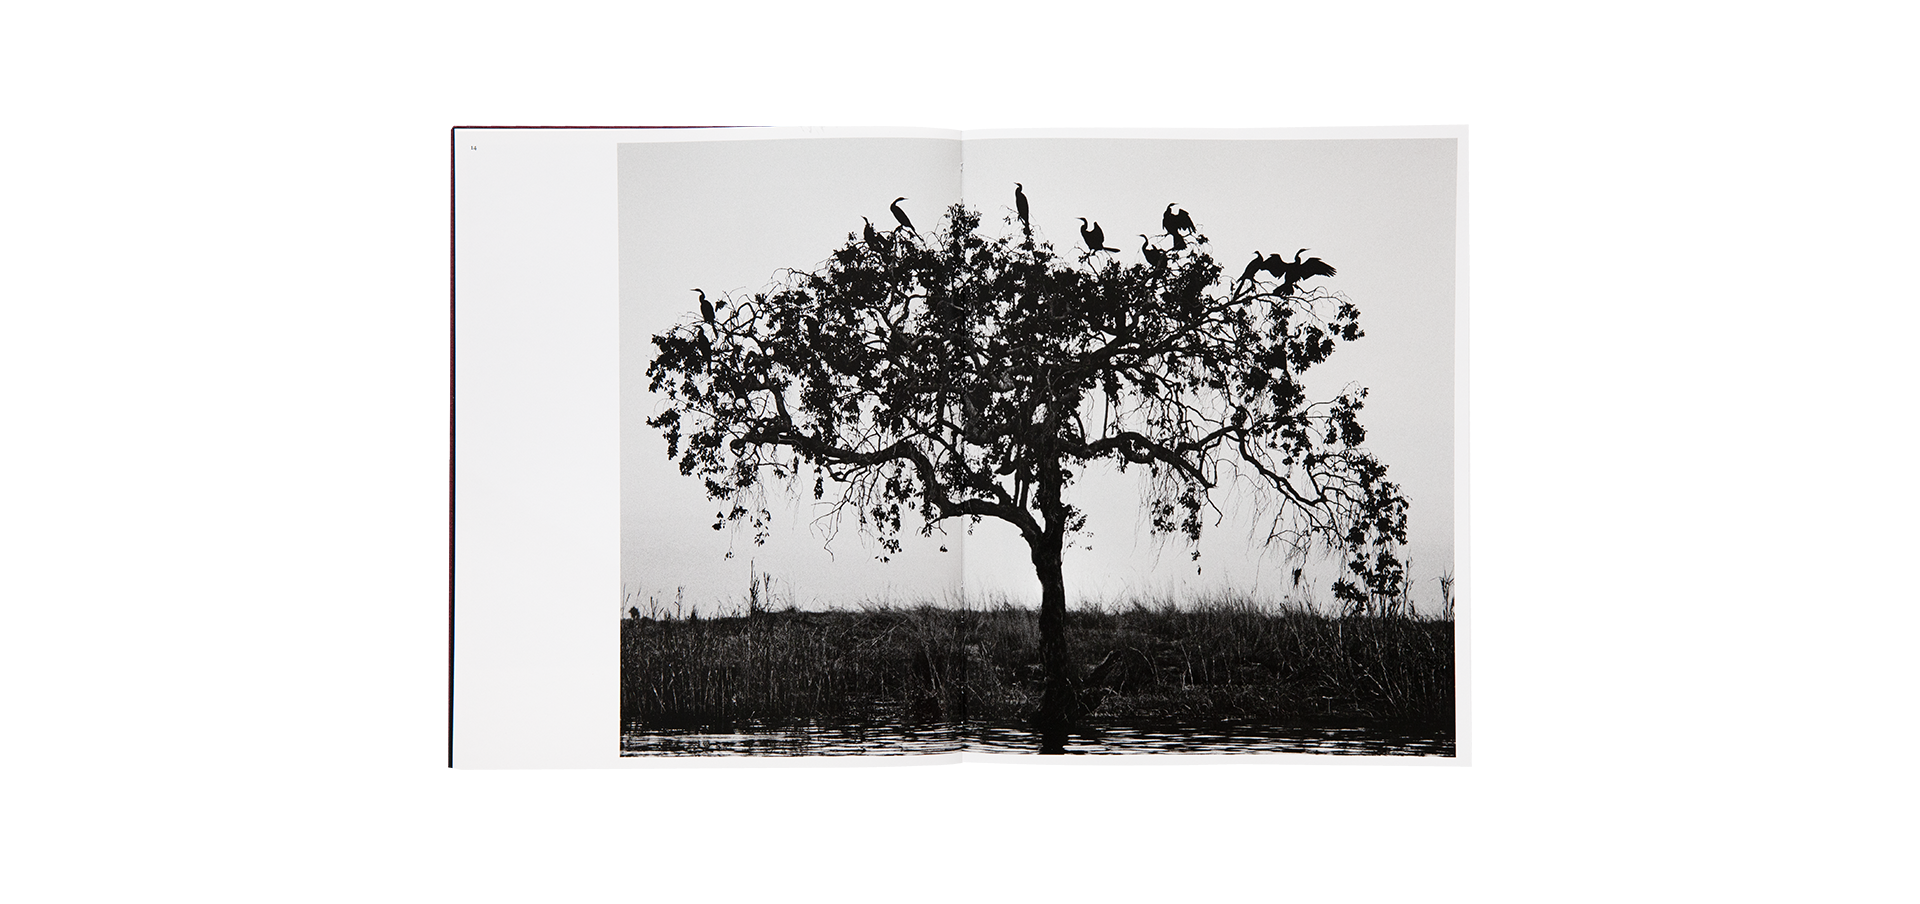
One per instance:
(1126, 443)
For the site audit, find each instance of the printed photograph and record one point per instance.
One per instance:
(1058, 445)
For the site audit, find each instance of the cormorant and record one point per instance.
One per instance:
(1020, 206)
(1095, 239)
(1313, 266)
(1174, 222)
(901, 215)
(1253, 268)
(867, 232)
(706, 307)
(1154, 256)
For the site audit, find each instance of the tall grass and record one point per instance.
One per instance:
(775, 667)
(1223, 657)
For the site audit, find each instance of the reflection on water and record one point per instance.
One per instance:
(870, 739)
(813, 739)
(1214, 737)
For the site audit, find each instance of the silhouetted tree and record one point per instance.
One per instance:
(965, 375)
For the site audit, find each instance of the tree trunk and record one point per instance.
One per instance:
(1058, 697)
(1053, 609)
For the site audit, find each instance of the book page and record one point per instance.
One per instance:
(752, 432)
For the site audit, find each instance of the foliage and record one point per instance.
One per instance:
(964, 375)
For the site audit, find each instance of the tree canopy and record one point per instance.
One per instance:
(958, 374)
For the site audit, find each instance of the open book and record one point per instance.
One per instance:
(783, 442)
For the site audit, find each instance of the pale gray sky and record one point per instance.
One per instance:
(726, 215)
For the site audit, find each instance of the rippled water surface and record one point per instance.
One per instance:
(820, 739)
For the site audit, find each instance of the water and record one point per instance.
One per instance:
(881, 739)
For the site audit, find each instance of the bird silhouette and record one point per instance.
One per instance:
(706, 307)
(1298, 270)
(1095, 239)
(1020, 206)
(901, 215)
(1253, 268)
(1176, 221)
(1154, 256)
(867, 232)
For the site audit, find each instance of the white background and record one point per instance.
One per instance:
(223, 370)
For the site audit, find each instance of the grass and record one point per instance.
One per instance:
(1223, 658)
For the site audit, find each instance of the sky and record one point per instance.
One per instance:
(726, 215)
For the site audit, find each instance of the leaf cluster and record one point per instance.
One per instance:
(966, 375)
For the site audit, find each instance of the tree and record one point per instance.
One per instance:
(970, 376)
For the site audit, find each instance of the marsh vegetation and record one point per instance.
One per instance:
(957, 671)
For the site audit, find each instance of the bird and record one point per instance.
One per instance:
(1095, 239)
(1277, 265)
(706, 307)
(901, 215)
(1253, 268)
(1176, 221)
(867, 232)
(1154, 256)
(1020, 206)
(1298, 270)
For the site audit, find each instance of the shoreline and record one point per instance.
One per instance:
(1228, 661)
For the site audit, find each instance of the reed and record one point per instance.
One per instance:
(1224, 657)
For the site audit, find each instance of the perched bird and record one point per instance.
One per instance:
(706, 307)
(901, 215)
(1020, 206)
(1154, 256)
(1312, 267)
(1276, 265)
(1298, 270)
(867, 232)
(1253, 268)
(1095, 239)
(1176, 221)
